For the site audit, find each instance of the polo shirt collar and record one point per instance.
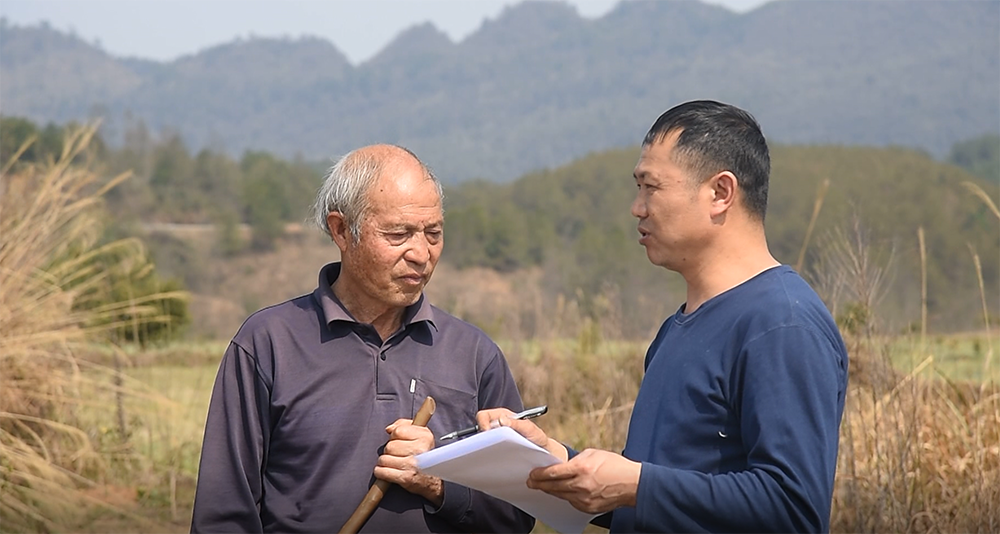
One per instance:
(334, 310)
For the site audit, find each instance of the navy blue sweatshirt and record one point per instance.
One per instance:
(738, 416)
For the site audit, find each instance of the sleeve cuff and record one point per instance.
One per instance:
(570, 451)
(454, 505)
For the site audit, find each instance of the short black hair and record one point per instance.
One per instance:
(716, 137)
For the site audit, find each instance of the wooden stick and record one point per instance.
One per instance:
(377, 491)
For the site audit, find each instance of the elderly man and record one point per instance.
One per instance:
(735, 427)
(310, 390)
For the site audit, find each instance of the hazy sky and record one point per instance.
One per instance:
(166, 29)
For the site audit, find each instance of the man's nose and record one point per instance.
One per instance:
(638, 208)
(419, 251)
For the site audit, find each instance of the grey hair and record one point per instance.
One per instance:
(346, 185)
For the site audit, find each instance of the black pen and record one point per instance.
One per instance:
(527, 414)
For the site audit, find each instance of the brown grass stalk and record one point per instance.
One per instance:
(50, 223)
(978, 191)
(988, 361)
(817, 206)
(923, 288)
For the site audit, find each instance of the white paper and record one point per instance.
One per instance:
(497, 462)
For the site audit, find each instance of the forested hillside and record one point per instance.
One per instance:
(572, 224)
(539, 86)
(980, 156)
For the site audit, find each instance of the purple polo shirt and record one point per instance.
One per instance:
(299, 409)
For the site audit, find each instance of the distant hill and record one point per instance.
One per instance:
(539, 86)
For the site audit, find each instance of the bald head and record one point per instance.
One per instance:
(382, 152)
(347, 185)
(381, 158)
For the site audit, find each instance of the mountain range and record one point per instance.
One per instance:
(539, 85)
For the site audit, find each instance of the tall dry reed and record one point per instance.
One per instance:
(49, 236)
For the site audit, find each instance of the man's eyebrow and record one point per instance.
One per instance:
(411, 226)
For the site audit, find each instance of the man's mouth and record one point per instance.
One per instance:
(643, 234)
(412, 279)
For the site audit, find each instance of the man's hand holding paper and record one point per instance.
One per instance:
(594, 481)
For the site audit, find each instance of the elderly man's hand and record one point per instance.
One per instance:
(397, 465)
(497, 417)
(594, 481)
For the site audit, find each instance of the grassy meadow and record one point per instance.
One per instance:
(98, 436)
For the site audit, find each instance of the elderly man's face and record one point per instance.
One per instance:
(401, 238)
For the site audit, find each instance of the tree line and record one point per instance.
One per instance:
(172, 184)
(573, 222)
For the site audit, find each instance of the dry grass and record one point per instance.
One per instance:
(921, 457)
(49, 223)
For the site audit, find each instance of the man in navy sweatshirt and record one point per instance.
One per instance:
(736, 424)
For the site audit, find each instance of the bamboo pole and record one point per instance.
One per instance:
(377, 491)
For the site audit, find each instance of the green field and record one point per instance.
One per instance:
(956, 357)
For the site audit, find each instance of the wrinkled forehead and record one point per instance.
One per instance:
(403, 179)
(405, 188)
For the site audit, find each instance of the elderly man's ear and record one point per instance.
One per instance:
(340, 232)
